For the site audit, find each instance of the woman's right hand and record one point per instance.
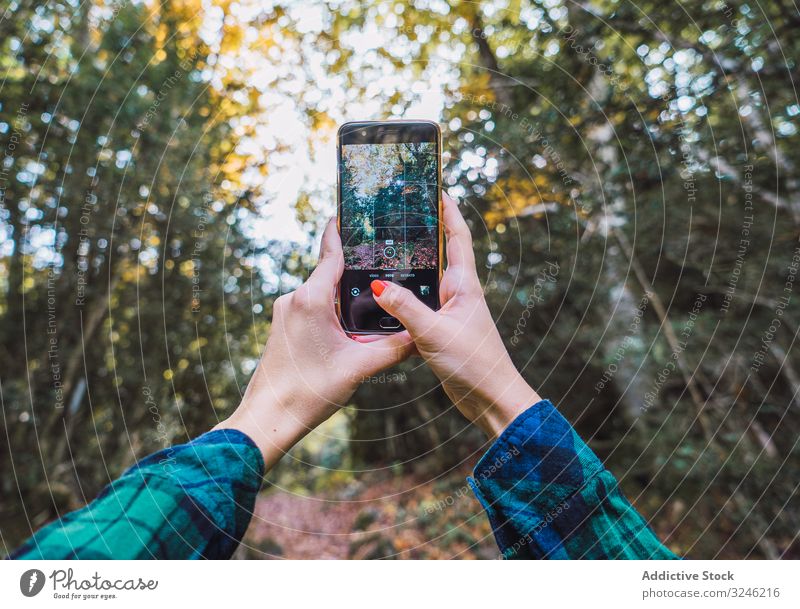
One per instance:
(460, 341)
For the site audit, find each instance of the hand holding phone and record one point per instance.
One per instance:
(310, 367)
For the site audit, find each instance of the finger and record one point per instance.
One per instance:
(373, 338)
(389, 350)
(331, 259)
(459, 238)
(396, 300)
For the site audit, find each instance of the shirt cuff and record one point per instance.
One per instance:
(527, 478)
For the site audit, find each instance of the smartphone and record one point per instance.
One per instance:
(390, 209)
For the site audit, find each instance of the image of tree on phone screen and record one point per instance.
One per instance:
(389, 206)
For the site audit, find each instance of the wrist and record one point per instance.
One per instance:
(500, 409)
(272, 426)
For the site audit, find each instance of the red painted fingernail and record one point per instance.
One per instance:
(378, 287)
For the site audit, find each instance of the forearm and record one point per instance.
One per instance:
(193, 500)
(547, 495)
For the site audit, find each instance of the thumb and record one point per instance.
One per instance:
(396, 300)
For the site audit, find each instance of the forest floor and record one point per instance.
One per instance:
(420, 254)
(382, 515)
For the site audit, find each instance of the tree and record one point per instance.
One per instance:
(127, 319)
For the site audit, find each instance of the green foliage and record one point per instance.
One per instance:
(121, 217)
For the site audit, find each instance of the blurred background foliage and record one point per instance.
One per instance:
(629, 171)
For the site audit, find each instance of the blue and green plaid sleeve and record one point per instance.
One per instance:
(547, 495)
(193, 500)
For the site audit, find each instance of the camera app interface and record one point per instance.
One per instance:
(389, 220)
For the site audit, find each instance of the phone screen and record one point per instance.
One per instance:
(389, 204)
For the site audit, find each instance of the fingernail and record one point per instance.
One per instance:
(378, 287)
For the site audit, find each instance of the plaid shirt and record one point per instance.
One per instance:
(193, 500)
(546, 494)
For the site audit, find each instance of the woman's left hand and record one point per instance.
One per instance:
(310, 367)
